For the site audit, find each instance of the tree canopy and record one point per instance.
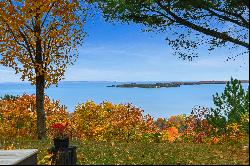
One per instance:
(52, 28)
(188, 24)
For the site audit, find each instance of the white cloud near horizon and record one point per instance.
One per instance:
(8, 75)
(143, 62)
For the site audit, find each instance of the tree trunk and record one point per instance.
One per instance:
(40, 82)
(41, 119)
(40, 85)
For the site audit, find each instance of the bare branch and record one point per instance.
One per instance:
(47, 14)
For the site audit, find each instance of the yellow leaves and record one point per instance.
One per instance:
(235, 132)
(59, 23)
(46, 160)
(170, 134)
(108, 121)
(19, 116)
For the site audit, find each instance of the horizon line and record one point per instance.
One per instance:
(128, 81)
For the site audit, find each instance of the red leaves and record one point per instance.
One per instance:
(59, 129)
(58, 126)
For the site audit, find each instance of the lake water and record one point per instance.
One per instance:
(158, 102)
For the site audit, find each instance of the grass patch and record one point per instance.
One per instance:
(90, 152)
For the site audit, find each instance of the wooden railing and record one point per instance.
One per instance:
(18, 157)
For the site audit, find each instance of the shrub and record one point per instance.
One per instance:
(18, 116)
(108, 121)
(170, 134)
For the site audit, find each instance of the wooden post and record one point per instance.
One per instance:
(64, 156)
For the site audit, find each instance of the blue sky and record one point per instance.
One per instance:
(125, 53)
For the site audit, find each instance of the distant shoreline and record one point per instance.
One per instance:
(171, 84)
(207, 82)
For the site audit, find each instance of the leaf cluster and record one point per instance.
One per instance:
(41, 37)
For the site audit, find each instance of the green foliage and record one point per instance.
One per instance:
(151, 137)
(9, 97)
(232, 106)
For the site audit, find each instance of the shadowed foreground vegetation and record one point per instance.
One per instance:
(92, 152)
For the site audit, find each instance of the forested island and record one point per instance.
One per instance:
(170, 84)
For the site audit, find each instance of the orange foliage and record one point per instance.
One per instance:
(48, 30)
(170, 134)
(18, 117)
(108, 121)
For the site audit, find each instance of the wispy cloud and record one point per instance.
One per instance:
(7, 75)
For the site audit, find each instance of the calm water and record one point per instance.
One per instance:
(161, 102)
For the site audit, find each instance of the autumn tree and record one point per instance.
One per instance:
(39, 39)
(188, 24)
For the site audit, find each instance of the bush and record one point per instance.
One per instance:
(108, 121)
(18, 116)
